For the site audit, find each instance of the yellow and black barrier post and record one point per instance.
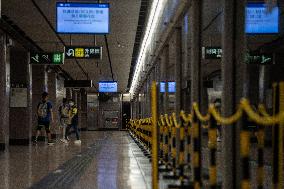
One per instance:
(165, 159)
(245, 149)
(196, 151)
(212, 144)
(281, 138)
(275, 142)
(154, 111)
(260, 157)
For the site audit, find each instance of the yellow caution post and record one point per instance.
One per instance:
(155, 173)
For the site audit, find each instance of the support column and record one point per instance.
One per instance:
(74, 96)
(21, 105)
(39, 85)
(52, 96)
(68, 93)
(195, 30)
(233, 74)
(178, 69)
(4, 92)
(84, 108)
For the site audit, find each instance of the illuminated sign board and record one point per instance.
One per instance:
(259, 20)
(172, 87)
(107, 87)
(39, 58)
(212, 52)
(258, 58)
(82, 18)
(83, 52)
(162, 87)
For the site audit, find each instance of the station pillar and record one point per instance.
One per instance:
(4, 92)
(233, 75)
(20, 121)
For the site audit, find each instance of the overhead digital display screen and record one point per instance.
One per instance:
(261, 21)
(107, 87)
(82, 18)
(162, 87)
(172, 87)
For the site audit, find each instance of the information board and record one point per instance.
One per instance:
(172, 87)
(19, 97)
(84, 18)
(259, 58)
(56, 58)
(83, 52)
(107, 87)
(212, 52)
(259, 20)
(162, 87)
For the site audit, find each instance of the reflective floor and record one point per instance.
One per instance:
(105, 160)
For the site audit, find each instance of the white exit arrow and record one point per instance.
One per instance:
(70, 52)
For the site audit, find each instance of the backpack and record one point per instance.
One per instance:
(42, 110)
(64, 111)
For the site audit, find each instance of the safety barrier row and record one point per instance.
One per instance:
(176, 141)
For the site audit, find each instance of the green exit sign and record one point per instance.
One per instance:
(43, 58)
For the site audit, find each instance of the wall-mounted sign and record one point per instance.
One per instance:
(83, 52)
(162, 87)
(19, 97)
(39, 58)
(258, 58)
(77, 83)
(211, 52)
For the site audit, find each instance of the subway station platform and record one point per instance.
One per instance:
(105, 160)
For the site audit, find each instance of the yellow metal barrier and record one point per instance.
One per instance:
(160, 136)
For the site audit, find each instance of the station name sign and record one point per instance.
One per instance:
(80, 52)
(212, 52)
(43, 58)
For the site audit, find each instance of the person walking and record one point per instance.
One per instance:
(64, 110)
(74, 122)
(44, 117)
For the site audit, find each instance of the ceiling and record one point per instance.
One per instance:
(124, 19)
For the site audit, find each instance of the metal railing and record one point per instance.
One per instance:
(175, 141)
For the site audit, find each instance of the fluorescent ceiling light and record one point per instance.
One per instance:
(153, 20)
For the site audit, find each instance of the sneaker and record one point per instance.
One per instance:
(219, 139)
(63, 140)
(50, 143)
(77, 142)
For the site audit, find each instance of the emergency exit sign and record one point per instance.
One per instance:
(50, 58)
(212, 52)
(83, 52)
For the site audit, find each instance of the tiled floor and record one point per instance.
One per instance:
(105, 160)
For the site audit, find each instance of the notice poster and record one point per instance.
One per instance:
(261, 20)
(19, 97)
(85, 18)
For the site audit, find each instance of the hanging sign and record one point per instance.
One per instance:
(259, 58)
(211, 52)
(83, 52)
(55, 58)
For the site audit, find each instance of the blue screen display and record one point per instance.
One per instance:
(84, 18)
(107, 87)
(162, 87)
(172, 87)
(261, 21)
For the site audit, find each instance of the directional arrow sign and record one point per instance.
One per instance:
(42, 58)
(259, 58)
(80, 52)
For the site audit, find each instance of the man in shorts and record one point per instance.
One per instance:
(45, 117)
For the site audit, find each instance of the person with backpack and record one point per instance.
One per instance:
(73, 115)
(64, 118)
(44, 117)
